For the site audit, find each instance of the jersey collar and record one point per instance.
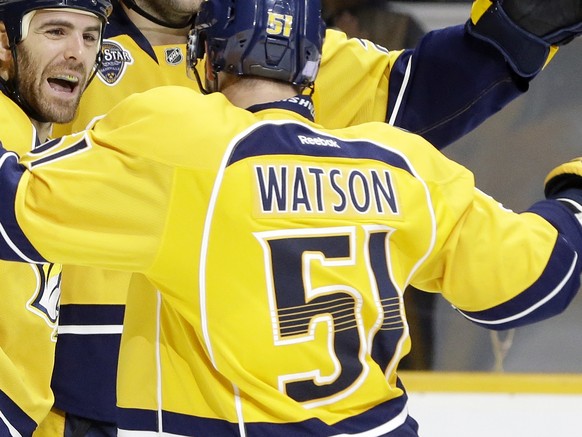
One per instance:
(300, 104)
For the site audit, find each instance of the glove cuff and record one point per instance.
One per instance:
(525, 52)
(565, 180)
(565, 35)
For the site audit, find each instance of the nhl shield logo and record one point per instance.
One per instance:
(174, 55)
(115, 61)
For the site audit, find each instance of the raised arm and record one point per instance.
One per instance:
(458, 77)
(518, 268)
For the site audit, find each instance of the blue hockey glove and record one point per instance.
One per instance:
(527, 32)
(555, 21)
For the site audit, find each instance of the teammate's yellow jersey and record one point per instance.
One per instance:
(30, 299)
(280, 251)
(93, 300)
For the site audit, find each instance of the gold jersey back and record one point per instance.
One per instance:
(280, 251)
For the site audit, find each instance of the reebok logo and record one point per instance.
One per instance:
(318, 141)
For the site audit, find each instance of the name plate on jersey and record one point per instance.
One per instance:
(326, 190)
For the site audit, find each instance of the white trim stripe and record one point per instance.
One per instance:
(89, 329)
(13, 431)
(128, 433)
(159, 384)
(401, 93)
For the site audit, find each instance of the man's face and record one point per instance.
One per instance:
(55, 61)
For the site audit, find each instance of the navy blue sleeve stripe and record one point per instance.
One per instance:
(13, 418)
(563, 218)
(380, 420)
(535, 303)
(561, 276)
(76, 314)
(14, 246)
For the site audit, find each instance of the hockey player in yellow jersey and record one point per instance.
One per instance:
(48, 53)
(145, 47)
(279, 249)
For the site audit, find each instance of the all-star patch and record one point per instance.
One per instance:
(115, 61)
(174, 55)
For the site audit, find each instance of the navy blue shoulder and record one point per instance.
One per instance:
(435, 95)
(14, 245)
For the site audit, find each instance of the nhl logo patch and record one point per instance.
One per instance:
(174, 55)
(115, 61)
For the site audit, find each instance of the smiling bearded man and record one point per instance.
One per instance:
(66, 76)
(47, 59)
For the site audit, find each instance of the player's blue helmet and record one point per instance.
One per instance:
(12, 12)
(276, 39)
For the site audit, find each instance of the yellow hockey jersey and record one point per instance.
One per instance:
(92, 304)
(29, 313)
(280, 251)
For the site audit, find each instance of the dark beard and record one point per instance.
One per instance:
(29, 87)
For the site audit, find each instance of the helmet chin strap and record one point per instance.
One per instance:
(132, 5)
(203, 90)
